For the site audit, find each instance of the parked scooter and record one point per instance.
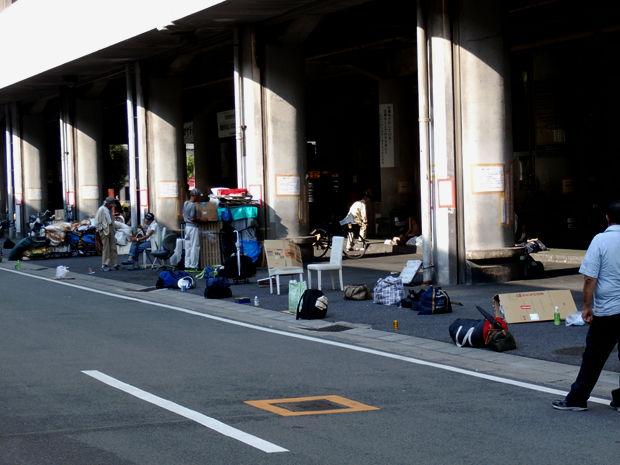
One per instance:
(37, 222)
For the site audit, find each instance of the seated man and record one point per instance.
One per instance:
(142, 240)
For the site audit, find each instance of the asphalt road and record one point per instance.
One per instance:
(93, 379)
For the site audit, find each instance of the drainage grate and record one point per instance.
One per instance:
(317, 405)
(569, 351)
(331, 329)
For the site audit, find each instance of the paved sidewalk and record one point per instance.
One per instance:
(546, 354)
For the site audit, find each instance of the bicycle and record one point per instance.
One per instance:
(354, 245)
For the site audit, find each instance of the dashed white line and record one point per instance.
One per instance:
(198, 417)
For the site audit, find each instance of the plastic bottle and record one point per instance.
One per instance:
(19, 265)
(556, 316)
(256, 301)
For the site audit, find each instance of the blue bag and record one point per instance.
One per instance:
(169, 279)
(434, 300)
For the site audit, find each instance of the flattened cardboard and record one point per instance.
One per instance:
(282, 253)
(206, 211)
(525, 307)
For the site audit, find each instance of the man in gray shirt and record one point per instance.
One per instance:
(601, 310)
(192, 231)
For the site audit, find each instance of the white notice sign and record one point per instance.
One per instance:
(168, 190)
(487, 178)
(287, 184)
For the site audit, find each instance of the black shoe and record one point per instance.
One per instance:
(614, 406)
(563, 405)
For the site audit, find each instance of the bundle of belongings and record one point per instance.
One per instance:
(491, 332)
(59, 239)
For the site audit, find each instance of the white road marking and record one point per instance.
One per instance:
(204, 420)
(497, 379)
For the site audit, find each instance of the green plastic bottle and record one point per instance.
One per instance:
(556, 316)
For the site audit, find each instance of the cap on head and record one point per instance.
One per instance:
(110, 200)
(195, 192)
(149, 216)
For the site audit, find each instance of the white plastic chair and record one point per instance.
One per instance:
(335, 264)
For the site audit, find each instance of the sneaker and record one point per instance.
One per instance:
(128, 262)
(105, 268)
(563, 405)
(614, 406)
(116, 267)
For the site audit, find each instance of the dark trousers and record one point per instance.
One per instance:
(603, 335)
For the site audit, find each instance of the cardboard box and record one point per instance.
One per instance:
(524, 307)
(206, 211)
(282, 253)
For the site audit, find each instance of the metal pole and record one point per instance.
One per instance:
(239, 114)
(131, 142)
(141, 145)
(9, 171)
(423, 123)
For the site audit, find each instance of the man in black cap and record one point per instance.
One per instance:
(142, 240)
(104, 224)
(192, 232)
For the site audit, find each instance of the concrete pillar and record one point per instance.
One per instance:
(166, 155)
(443, 163)
(35, 166)
(88, 157)
(285, 141)
(485, 127)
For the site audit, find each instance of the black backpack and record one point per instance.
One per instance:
(312, 305)
(217, 288)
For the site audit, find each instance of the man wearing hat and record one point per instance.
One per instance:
(192, 232)
(142, 240)
(104, 224)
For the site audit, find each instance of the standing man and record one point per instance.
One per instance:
(104, 224)
(192, 232)
(601, 310)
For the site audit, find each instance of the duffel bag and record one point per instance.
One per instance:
(357, 292)
(388, 291)
(434, 300)
(467, 332)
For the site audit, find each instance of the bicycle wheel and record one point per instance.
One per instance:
(355, 246)
(321, 244)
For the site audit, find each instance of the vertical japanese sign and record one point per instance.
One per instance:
(386, 135)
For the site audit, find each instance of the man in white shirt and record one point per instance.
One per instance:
(142, 240)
